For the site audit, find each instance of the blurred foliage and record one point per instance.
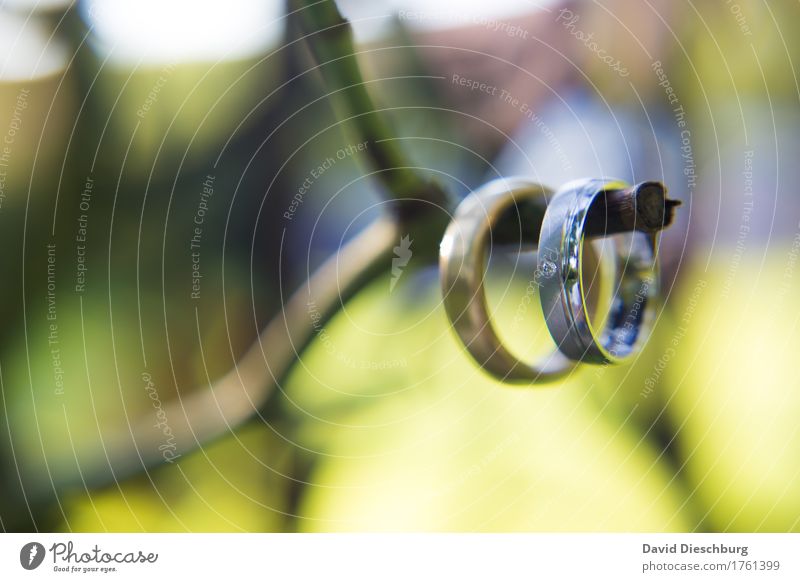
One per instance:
(385, 424)
(731, 394)
(435, 444)
(242, 483)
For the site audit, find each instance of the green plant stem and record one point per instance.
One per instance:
(224, 404)
(330, 38)
(221, 405)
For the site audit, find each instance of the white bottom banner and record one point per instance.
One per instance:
(379, 557)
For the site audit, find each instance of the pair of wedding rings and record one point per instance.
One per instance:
(516, 210)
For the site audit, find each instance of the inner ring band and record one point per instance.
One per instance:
(461, 263)
(562, 292)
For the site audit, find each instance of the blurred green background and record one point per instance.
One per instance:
(123, 123)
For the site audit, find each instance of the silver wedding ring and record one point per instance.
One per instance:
(462, 258)
(563, 288)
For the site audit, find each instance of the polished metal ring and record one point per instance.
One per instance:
(563, 288)
(461, 261)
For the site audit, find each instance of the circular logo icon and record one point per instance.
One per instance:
(31, 555)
